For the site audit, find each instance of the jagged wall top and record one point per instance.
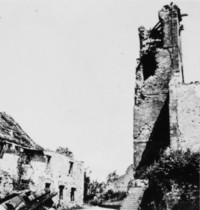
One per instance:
(165, 34)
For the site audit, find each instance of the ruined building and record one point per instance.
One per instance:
(166, 110)
(122, 182)
(24, 165)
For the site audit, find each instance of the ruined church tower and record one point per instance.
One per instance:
(159, 66)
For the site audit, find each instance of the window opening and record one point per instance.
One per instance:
(149, 64)
(72, 194)
(61, 188)
(71, 167)
(48, 161)
(2, 150)
(47, 186)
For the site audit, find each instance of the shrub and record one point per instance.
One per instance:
(112, 177)
(64, 151)
(173, 181)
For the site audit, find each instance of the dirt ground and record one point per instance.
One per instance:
(95, 208)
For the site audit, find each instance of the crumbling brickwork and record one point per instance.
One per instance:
(161, 97)
(58, 173)
(26, 165)
(166, 110)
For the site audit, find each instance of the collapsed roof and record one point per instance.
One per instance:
(11, 132)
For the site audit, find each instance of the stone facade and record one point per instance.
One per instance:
(185, 116)
(58, 173)
(26, 165)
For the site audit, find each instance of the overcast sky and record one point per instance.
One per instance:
(67, 72)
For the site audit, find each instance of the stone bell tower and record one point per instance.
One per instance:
(159, 64)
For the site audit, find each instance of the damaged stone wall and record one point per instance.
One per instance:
(185, 116)
(41, 171)
(158, 65)
(26, 165)
(122, 183)
(56, 172)
(9, 161)
(6, 184)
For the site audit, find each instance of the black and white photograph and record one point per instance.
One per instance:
(99, 104)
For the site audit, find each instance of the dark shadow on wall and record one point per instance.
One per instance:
(158, 141)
